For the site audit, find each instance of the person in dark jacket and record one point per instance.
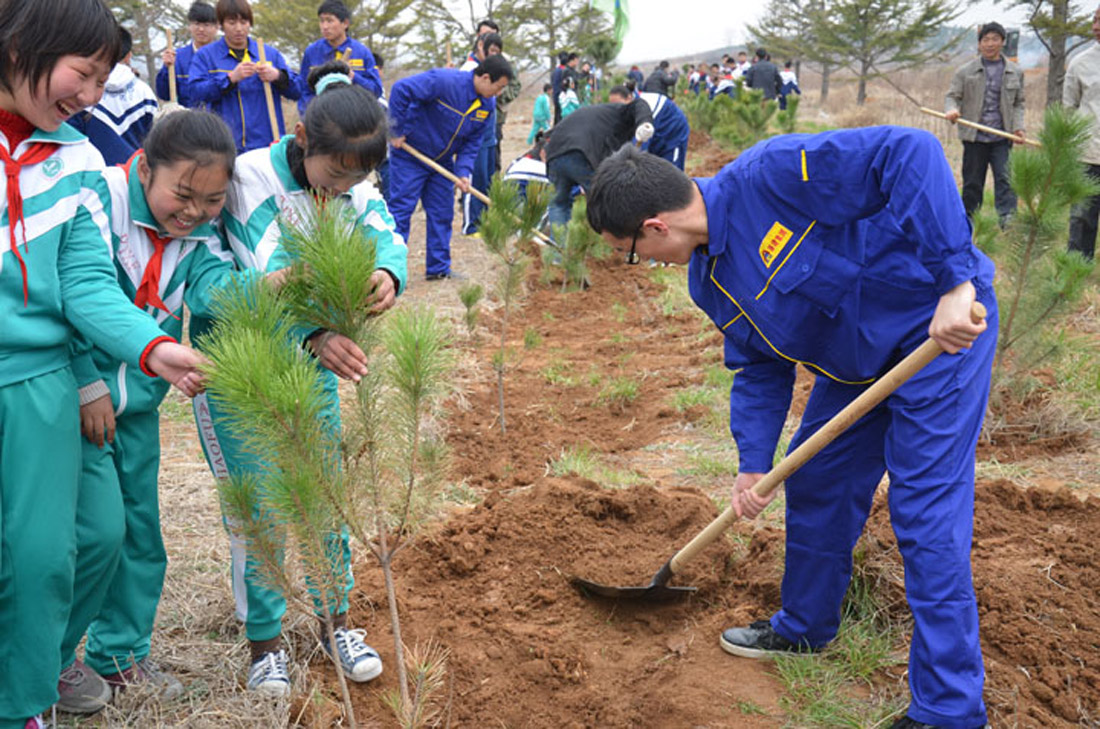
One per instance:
(584, 139)
(661, 81)
(764, 75)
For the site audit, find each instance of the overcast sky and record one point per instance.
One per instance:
(660, 28)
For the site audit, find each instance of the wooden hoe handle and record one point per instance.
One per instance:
(836, 425)
(268, 96)
(543, 238)
(172, 95)
(982, 127)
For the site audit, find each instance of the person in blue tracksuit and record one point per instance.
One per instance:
(117, 125)
(228, 76)
(335, 45)
(202, 23)
(442, 113)
(670, 126)
(843, 252)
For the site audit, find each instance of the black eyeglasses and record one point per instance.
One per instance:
(632, 258)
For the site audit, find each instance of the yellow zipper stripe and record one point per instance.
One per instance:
(805, 174)
(810, 365)
(475, 105)
(731, 321)
(785, 259)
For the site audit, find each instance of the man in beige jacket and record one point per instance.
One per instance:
(1081, 91)
(988, 90)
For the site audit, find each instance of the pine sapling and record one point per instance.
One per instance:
(470, 295)
(507, 224)
(578, 243)
(374, 475)
(1039, 280)
(274, 400)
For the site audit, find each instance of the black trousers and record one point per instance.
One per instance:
(977, 157)
(1082, 220)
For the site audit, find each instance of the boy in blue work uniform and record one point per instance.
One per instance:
(442, 113)
(335, 45)
(842, 252)
(485, 164)
(202, 23)
(670, 126)
(229, 78)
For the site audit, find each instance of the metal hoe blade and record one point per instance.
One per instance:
(657, 591)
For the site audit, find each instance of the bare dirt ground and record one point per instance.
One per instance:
(489, 581)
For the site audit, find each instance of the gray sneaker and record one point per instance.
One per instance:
(149, 673)
(758, 640)
(82, 690)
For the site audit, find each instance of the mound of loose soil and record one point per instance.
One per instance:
(529, 651)
(492, 585)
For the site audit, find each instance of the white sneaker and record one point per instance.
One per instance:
(360, 662)
(268, 675)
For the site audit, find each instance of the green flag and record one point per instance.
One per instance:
(619, 10)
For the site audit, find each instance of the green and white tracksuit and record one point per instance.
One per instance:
(70, 286)
(264, 189)
(118, 517)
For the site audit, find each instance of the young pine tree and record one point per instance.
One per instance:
(376, 473)
(1039, 281)
(507, 225)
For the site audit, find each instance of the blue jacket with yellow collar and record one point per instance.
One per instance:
(243, 105)
(441, 115)
(828, 250)
(352, 52)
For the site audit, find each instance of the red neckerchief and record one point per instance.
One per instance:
(148, 292)
(35, 153)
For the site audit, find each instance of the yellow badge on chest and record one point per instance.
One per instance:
(774, 243)
(481, 114)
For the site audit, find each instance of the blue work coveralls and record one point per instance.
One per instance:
(184, 56)
(832, 251)
(670, 129)
(441, 115)
(242, 106)
(352, 52)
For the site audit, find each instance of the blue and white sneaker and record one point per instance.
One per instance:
(360, 662)
(268, 675)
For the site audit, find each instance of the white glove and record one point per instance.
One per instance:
(643, 133)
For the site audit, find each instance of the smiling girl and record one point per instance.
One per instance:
(55, 280)
(339, 142)
(167, 254)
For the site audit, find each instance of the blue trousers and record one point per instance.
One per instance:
(410, 183)
(565, 172)
(484, 167)
(923, 436)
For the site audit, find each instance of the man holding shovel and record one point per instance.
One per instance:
(842, 252)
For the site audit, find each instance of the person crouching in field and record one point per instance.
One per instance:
(842, 252)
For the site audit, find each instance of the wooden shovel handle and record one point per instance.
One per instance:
(982, 127)
(543, 238)
(268, 96)
(172, 95)
(828, 432)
